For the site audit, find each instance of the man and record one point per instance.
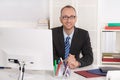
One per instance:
(79, 41)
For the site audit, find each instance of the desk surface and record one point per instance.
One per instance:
(44, 75)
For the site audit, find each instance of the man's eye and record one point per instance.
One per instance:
(72, 16)
(65, 17)
(68, 17)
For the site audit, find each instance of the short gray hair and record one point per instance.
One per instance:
(68, 6)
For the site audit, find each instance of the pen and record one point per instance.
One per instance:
(65, 72)
(58, 66)
(55, 66)
(61, 59)
(5, 67)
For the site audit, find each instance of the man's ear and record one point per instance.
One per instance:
(76, 19)
(60, 19)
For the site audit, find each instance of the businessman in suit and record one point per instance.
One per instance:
(79, 40)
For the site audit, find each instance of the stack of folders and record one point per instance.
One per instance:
(61, 69)
(113, 26)
(91, 73)
(111, 58)
(99, 72)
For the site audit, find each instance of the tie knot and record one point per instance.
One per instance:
(67, 38)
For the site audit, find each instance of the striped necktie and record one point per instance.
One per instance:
(67, 47)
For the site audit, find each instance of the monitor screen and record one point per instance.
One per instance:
(33, 46)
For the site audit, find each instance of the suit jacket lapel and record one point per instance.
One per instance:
(61, 40)
(72, 48)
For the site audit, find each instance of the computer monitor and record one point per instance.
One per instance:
(33, 46)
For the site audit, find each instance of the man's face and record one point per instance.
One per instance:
(68, 18)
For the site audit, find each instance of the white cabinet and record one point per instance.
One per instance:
(86, 18)
(110, 47)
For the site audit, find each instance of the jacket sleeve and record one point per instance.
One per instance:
(86, 52)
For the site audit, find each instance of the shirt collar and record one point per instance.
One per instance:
(65, 34)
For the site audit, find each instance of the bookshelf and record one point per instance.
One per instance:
(110, 47)
(86, 18)
(109, 38)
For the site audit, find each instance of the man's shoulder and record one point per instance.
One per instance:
(56, 28)
(81, 30)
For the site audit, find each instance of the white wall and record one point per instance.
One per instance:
(23, 13)
(109, 11)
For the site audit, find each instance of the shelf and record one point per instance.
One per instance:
(103, 30)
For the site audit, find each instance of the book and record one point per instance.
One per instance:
(114, 24)
(110, 59)
(87, 74)
(112, 28)
(106, 69)
(111, 63)
(97, 71)
(111, 55)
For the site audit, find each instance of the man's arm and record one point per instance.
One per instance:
(87, 53)
(72, 62)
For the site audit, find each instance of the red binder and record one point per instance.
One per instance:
(111, 59)
(112, 28)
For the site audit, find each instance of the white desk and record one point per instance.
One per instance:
(43, 75)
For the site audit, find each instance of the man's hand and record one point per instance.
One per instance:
(72, 62)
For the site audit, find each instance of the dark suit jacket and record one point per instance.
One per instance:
(80, 44)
